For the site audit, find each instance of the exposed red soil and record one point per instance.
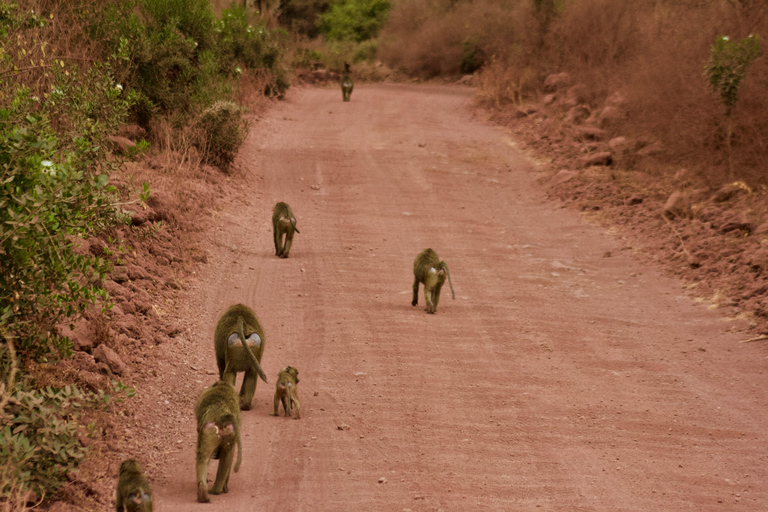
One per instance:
(570, 372)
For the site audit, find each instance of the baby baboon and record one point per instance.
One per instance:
(283, 222)
(239, 344)
(286, 391)
(346, 84)
(218, 429)
(428, 269)
(133, 493)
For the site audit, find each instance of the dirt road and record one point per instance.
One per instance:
(565, 375)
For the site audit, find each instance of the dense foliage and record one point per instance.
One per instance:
(42, 442)
(728, 64)
(354, 20)
(70, 74)
(302, 16)
(181, 59)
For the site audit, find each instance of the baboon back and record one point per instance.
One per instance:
(216, 404)
(282, 210)
(346, 84)
(429, 270)
(226, 327)
(424, 261)
(133, 493)
(218, 434)
(286, 392)
(283, 224)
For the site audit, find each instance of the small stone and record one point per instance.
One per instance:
(557, 81)
(131, 131)
(562, 176)
(601, 158)
(676, 205)
(121, 145)
(590, 133)
(652, 149)
(104, 354)
(608, 115)
(618, 142)
(383, 480)
(730, 191)
(577, 114)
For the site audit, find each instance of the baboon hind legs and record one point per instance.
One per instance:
(221, 484)
(281, 249)
(248, 389)
(287, 246)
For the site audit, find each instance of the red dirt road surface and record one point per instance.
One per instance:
(566, 374)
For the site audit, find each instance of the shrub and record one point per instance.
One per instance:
(181, 59)
(192, 18)
(430, 38)
(354, 20)
(40, 440)
(728, 64)
(223, 131)
(471, 57)
(301, 16)
(53, 190)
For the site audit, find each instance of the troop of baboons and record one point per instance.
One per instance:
(239, 345)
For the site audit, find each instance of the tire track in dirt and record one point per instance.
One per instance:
(559, 379)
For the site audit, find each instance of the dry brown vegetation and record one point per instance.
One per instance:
(651, 52)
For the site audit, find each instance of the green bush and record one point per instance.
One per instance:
(301, 16)
(40, 438)
(728, 64)
(242, 46)
(471, 57)
(223, 131)
(192, 18)
(180, 59)
(306, 58)
(354, 20)
(53, 190)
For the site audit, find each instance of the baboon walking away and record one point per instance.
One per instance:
(287, 393)
(430, 270)
(346, 83)
(239, 345)
(283, 223)
(218, 430)
(133, 492)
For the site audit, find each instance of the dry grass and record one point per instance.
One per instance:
(652, 52)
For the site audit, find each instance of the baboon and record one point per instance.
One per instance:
(286, 391)
(283, 222)
(218, 429)
(346, 83)
(133, 493)
(428, 269)
(239, 344)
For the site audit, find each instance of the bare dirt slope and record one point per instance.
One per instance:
(566, 375)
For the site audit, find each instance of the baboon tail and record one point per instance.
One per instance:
(240, 331)
(453, 295)
(254, 362)
(293, 223)
(239, 452)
